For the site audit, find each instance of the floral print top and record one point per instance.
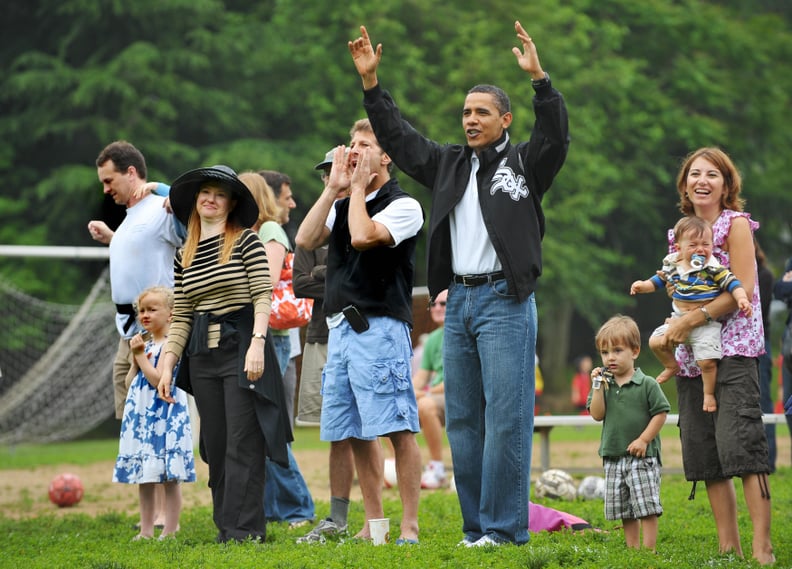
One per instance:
(741, 335)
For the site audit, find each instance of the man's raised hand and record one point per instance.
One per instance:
(527, 59)
(365, 58)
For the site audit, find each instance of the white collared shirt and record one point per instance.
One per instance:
(472, 250)
(403, 218)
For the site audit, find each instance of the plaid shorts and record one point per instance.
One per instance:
(632, 488)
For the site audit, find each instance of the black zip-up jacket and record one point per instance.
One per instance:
(512, 179)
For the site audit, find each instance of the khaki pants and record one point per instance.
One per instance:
(123, 373)
(309, 404)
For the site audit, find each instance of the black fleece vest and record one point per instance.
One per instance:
(378, 281)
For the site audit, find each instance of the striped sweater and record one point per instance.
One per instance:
(206, 286)
(696, 285)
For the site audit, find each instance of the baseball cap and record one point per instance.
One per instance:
(328, 160)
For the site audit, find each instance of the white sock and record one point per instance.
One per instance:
(437, 466)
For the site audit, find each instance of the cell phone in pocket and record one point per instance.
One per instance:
(357, 320)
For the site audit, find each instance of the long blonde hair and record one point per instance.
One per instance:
(232, 231)
(269, 210)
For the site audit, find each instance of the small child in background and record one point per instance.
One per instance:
(581, 383)
(697, 279)
(633, 409)
(538, 385)
(156, 440)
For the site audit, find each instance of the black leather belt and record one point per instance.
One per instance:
(477, 280)
(127, 310)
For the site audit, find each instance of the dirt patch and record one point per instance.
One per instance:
(23, 493)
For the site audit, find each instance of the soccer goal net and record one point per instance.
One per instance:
(55, 365)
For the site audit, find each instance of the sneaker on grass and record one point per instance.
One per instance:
(324, 529)
(432, 478)
(486, 541)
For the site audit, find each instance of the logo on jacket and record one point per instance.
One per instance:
(507, 181)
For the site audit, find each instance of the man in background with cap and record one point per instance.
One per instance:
(310, 268)
(308, 281)
(372, 236)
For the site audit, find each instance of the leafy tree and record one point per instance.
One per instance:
(271, 85)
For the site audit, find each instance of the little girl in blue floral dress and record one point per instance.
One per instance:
(156, 440)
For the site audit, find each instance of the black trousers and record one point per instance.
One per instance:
(235, 447)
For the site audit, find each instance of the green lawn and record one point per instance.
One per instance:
(687, 539)
(687, 535)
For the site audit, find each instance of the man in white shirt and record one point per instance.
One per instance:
(141, 249)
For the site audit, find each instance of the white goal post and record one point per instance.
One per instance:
(55, 252)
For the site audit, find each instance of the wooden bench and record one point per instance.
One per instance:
(543, 424)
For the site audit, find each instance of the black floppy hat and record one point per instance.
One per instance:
(186, 187)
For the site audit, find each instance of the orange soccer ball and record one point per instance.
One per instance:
(65, 490)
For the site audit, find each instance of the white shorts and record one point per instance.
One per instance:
(705, 341)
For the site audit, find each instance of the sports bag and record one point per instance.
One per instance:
(288, 311)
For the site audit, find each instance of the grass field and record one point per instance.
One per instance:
(71, 538)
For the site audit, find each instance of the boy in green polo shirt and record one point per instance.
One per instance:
(633, 409)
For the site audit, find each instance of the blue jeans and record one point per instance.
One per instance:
(489, 348)
(766, 400)
(282, 345)
(286, 495)
(786, 378)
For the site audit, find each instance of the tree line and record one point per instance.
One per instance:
(269, 84)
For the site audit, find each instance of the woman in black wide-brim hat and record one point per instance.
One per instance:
(223, 288)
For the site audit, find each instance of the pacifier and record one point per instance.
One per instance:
(697, 261)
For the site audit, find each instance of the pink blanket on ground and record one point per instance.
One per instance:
(542, 518)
